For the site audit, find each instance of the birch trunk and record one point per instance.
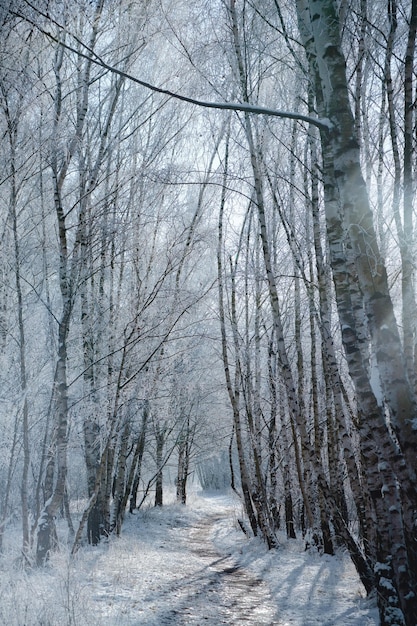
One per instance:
(160, 442)
(46, 524)
(273, 445)
(297, 419)
(408, 248)
(117, 512)
(346, 199)
(12, 121)
(137, 460)
(184, 453)
(358, 221)
(232, 385)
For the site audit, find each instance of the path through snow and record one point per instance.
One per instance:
(220, 591)
(193, 565)
(178, 566)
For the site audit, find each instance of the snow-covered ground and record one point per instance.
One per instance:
(186, 565)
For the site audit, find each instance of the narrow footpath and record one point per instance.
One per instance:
(180, 566)
(219, 591)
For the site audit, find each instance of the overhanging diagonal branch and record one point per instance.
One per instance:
(322, 124)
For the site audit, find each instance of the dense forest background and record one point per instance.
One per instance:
(207, 267)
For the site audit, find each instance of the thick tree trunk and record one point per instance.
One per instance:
(358, 222)
(407, 246)
(346, 199)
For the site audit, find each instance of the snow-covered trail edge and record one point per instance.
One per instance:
(186, 565)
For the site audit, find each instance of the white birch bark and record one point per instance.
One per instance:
(12, 121)
(346, 198)
(359, 224)
(232, 383)
(68, 271)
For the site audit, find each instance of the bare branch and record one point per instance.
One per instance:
(322, 124)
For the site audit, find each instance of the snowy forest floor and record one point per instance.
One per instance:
(179, 565)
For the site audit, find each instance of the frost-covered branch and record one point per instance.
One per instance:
(93, 57)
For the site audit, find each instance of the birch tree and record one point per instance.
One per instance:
(349, 214)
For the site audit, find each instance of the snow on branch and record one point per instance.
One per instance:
(321, 123)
